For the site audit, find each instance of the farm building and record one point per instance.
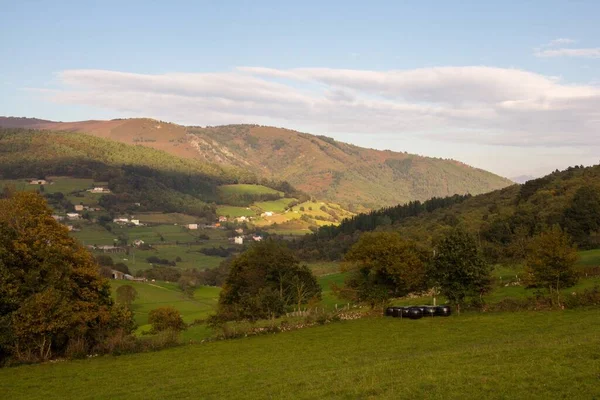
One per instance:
(78, 207)
(192, 226)
(99, 190)
(58, 217)
(222, 219)
(267, 214)
(238, 240)
(110, 249)
(114, 274)
(38, 182)
(73, 215)
(257, 238)
(121, 220)
(135, 222)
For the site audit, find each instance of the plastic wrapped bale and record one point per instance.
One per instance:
(405, 312)
(398, 312)
(415, 313)
(443, 311)
(389, 312)
(429, 311)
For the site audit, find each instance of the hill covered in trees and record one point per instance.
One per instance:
(503, 221)
(318, 165)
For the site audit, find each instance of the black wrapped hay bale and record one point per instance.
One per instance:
(443, 311)
(429, 311)
(405, 312)
(415, 313)
(389, 312)
(397, 313)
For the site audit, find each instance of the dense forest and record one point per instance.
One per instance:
(503, 221)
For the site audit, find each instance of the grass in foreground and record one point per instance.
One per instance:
(533, 355)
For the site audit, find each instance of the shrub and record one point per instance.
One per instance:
(165, 318)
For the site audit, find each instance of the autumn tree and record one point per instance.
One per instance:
(50, 289)
(126, 295)
(458, 270)
(551, 260)
(264, 281)
(383, 265)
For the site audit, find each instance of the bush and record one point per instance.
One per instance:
(165, 318)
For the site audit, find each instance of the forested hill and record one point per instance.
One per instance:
(318, 165)
(503, 220)
(155, 179)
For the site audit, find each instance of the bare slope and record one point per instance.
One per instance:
(318, 165)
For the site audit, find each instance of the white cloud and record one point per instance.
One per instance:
(568, 52)
(477, 105)
(559, 42)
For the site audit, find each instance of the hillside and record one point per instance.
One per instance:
(503, 220)
(318, 165)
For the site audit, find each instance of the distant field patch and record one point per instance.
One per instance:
(166, 218)
(234, 212)
(247, 189)
(589, 258)
(275, 205)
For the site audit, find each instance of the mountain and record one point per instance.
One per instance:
(144, 179)
(318, 165)
(502, 220)
(522, 178)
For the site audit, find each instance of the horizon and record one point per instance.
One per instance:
(509, 88)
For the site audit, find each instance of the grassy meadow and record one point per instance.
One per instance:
(533, 355)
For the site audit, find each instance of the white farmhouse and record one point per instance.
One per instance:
(238, 240)
(192, 227)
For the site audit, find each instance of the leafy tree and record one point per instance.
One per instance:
(165, 318)
(582, 217)
(551, 260)
(104, 260)
(121, 267)
(458, 269)
(264, 281)
(384, 265)
(50, 288)
(126, 295)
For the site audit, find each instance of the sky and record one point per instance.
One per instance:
(508, 86)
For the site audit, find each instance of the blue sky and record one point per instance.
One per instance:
(505, 86)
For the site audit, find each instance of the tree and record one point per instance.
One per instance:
(50, 288)
(458, 269)
(121, 267)
(264, 281)
(165, 318)
(126, 295)
(384, 265)
(104, 260)
(582, 217)
(551, 260)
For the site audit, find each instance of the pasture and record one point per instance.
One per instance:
(160, 294)
(533, 355)
(247, 189)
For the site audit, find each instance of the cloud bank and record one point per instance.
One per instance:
(474, 104)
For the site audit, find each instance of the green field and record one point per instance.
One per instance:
(589, 258)
(233, 212)
(64, 185)
(275, 205)
(532, 355)
(249, 189)
(155, 295)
